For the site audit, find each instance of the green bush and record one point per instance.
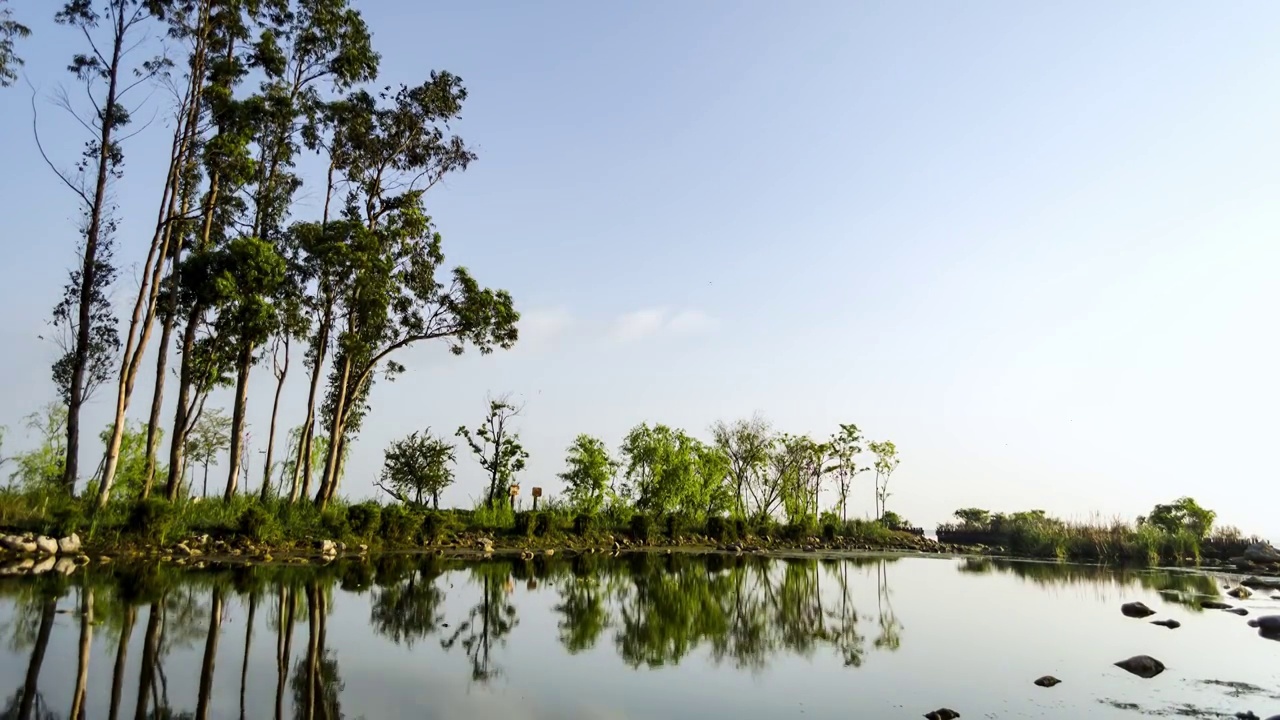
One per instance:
(66, 520)
(740, 527)
(766, 527)
(333, 522)
(257, 524)
(364, 519)
(718, 528)
(829, 531)
(799, 530)
(152, 518)
(542, 524)
(398, 524)
(433, 525)
(641, 527)
(673, 524)
(524, 524)
(584, 524)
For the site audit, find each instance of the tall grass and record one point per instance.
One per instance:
(1096, 540)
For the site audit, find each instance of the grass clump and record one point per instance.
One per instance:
(364, 519)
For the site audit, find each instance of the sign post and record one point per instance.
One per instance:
(537, 493)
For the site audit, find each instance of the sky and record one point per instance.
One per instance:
(1033, 244)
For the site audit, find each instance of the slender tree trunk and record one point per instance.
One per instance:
(89, 268)
(157, 398)
(122, 654)
(306, 442)
(204, 490)
(210, 657)
(82, 665)
(313, 645)
(271, 433)
(147, 671)
(30, 686)
(237, 420)
(177, 444)
(284, 647)
(248, 643)
(335, 433)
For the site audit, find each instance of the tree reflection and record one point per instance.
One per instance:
(317, 684)
(27, 702)
(488, 623)
(406, 607)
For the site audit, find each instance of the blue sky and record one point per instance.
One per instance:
(1034, 244)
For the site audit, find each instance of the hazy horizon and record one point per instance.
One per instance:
(1031, 244)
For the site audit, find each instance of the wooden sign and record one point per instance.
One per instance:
(537, 492)
(515, 490)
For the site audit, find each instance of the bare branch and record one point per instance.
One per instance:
(35, 130)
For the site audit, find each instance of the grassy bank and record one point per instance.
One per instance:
(280, 524)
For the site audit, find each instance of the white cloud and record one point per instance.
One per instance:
(651, 322)
(540, 326)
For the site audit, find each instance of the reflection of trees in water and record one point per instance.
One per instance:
(406, 605)
(1180, 587)
(317, 684)
(488, 622)
(27, 702)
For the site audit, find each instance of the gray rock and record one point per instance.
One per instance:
(44, 565)
(1247, 715)
(1266, 623)
(1171, 624)
(1047, 681)
(1237, 611)
(69, 545)
(328, 547)
(1262, 553)
(46, 545)
(1144, 666)
(942, 714)
(1240, 593)
(65, 566)
(1214, 605)
(17, 543)
(1261, 583)
(1136, 610)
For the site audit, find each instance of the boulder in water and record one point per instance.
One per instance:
(1237, 611)
(1047, 681)
(1266, 623)
(1240, 593)
(1136, 610)
(46, 545)
(942, 714)
(1262, 553)
(1144, 666)
(1171, 624)
(69, 545)
(1214, 605)
(1261, 583)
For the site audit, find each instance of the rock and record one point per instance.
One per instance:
(1136, 610)
(1247, 715)
(1171, 624)
(485, 545)
(526, 555)
(1237, 611)
(1262, 553)
(1266, 623)
(182, 550)
(69, 545)
(1214, 605)
(341, 546)
(1144, 666)
(328, 547)
(1275, 597)
(362, 548)
(44, 565)
(1261, 583)
(548, 552)
(1047, 681)
(65, 565)
(1240, 593)
(46, 545)
(942, 714)
(18, 544)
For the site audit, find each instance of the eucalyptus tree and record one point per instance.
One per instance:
(747, 444)
(109, 32)
(846, 447)
(589, 474)
(886, 454)
(10, 30)
(394, 148)
(497, 447)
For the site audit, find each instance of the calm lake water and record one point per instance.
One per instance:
(643, 637)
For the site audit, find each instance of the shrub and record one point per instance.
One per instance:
(584, 524)
(333, 521)
(524, 524)
(152, 518)
(829, 531)
(641, 527)
(893, 520)
(673, 524)
(542, 524)
(66, 520)
(257, 524)
(364, 519)
(740, 527)
(718, 528)
(766, 527)
(398, 524)
(799, 530)
(433, 524)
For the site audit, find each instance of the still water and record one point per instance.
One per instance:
(643, 637)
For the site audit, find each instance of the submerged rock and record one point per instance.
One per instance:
(1144, 666)
(1240, 593)
(1237, 611)
(1047, 681)
(1266, 623)
(1214, 605)
(1171, 624)
(1136, 610)
(942, 714)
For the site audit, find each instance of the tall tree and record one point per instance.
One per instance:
(418, 466)
(394, 148)
(589, 474)
(9, 30)
(109, 36)
(210, 436)
(497, 447)
(747, 443)
(846, 447)
(886, 462)
(659, 465)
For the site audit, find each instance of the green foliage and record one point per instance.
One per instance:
(10, 30)
(667, 470)
(674, 525)
(894, 521)
(719, 528)
(258, 525)
(584, 524)
(973, 517)
(333, 522)
(210, 436)
(542, 523)
(1182, 515)
(800, 530)
(589, 474)
(845, 448)
(641, 527)
(746, 444)
(739, 527)
(417, 467)
(829, 531)
(497, 448)
(398, 524)
(524, 524)
(41, 468)
(886, 461)
(433, 525)
(152, 518)
(364, 519)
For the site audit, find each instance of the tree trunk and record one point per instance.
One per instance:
(177, 444)
(210, 657)
(284, 647)
(248, 643)
(307, 440)
(335, 434)
(157, 397)
(271, 433)
(89, 268)
(237, 420)
(122, 654)
(82, 664)
(31, 685)
(146, 672)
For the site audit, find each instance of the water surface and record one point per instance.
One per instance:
(644, 636)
